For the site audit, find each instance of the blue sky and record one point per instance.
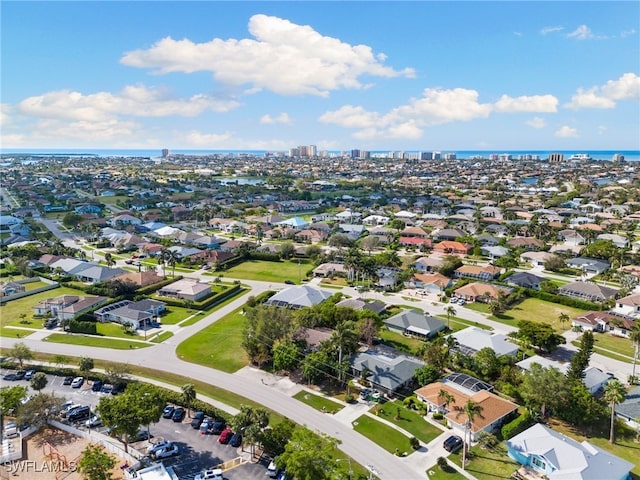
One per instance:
(339, 75)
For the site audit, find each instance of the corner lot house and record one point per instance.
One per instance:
(388, 372)
(557, 457)
(414, 323)
(588, 291)
(136, 314)
(480, 292)
(299, 297)
(186, 289)
(471, 340)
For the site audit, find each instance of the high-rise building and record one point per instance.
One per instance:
(618, 157)
(355, 153)
(165, 152)
(312, 151)
(556, 157)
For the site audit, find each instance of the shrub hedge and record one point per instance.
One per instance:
(76, 326)
(514, 427)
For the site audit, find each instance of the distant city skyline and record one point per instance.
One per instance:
(412, 76)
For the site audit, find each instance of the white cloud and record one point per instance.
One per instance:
(349, 116)
(209, 140)
(584, 33)
(5, 110)
(285, 58)
(566, 132)
(627, 87)
(83, 130)
(627, 33)
(536, 122)
(135, 100)
(548, 30)
(269, 120)
(535, 103)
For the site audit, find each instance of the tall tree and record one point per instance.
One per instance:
(451, 312)
(634, 336)
(109, 260)
(580, 360)
(40, 408)
(471, 410)
(38, 381)
(309, 456)
(96, 463)
(189, 395)
(446, 398)
(10, 400)
(614, 394)
(85, 365)
(564, 318)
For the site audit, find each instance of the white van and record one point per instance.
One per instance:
(10, 430)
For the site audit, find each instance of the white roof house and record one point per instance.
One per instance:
(471, 340)
(561, 458)
(299, 297)
(186, 289)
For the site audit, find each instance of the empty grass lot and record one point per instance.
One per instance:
(219, 345)
(618, 348)
(318, 402)
(387, 437)
(89, 341)
(276, 272)
(409, 420)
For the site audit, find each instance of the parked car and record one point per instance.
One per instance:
(106, 388)
(272, 470)
(93, 422)
(29, 375)
(97, 386)
(77, 382)
(167, 451)
(289, 282)
(67, 408)
(10, 377)
(211, 474)
(81, 413)
(225, 436)
(67, 380)
(206, 426)
(10, 430)
(118, 388)
(142, 434)
(168, 411)
(178, 414)
(218, 427)
(151, 449)
(236, 440)
(20, 374)
(51, 323)
(452, 444)
(197, 419)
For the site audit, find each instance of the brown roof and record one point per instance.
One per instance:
(478, 289)
(142, 279)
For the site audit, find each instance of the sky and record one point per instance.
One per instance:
(417, 75)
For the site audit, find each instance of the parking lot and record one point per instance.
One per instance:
(197, 451)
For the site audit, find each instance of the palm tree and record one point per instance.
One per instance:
(446, 397)
(563, 317)
(109, 260)
(451, 312)
(472, 410)
(189, 395)
(634, 336)
(614, 393)
(344, 336)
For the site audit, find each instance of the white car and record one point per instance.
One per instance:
(77, 382)
(167, 451)
(157, 446)
(211, 474)
(93, 422)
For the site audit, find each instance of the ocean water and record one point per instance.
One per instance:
(629, 155)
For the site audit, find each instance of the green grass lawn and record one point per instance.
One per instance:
(387, 437)
(318, 402)
(409, 420)
(488, 464)
(89, 341)
(434, 473)
(458, 323)
(111, 329)
(201, 314)
(9, 332)
(10, 312)
(534, 309)
(269, 271)
(219, 345)
(174, 315)
(162, 337)
(33, 285)
(400, 342)
(621, 345)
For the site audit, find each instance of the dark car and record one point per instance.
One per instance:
(20, 374)
(218, 427)
(118, 388)
(289, 282)
(236, 440)
(106, 388)
(143, 435)
(452, 443)
(178, 414)
(10, 377)
(225, 436)
(198, 417)
(68, 380)
(97, 386)
(78, 414)
(168, 411)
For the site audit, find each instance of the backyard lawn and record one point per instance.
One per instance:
(219, 345)
(387, 437)
(319, 403)
(400, 342)
(10, 312)
(409, 420)
(174, 315)
(534, 309)
(269, 271)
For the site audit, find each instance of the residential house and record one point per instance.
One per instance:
(432, 282)
(495, 410)
(310, 236)
(11, 288)
(571, 237)
(328, 269)
(375, 306)
(376, 220)
(313, 337)
(629, 410)
(486, 272)
(593, 321)
(525, 280)
(588, 291)
(628, 306)
(525, 243)
(386, 371)
(618, 240)
(414, 323)
(537, 259)
(494, 252)
(452, 248)
(428, 264)
(558, 457)
(418, 242)
(471, 340)
(448, 234)
(138, 315)
(481, 292)
(299, 296)
(141, 279)
(186, 289)
(590, 266)
(66, 307)
(124, 219)
(594, 379)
